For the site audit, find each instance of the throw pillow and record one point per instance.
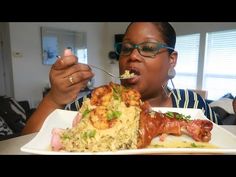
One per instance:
(4, 128)
(224, 103)
(12, 113)
(228, 95)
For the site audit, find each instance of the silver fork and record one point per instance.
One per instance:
(110, 74)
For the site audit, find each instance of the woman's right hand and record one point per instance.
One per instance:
(67, 78)
(63, 89)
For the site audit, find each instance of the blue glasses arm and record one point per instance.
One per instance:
(167, 47)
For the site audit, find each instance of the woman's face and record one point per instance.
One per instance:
(151, 72)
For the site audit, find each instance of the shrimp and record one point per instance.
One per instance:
(101, 96)
(131, 97)
(99, 119)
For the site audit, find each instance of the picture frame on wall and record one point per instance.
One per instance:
(55, 40)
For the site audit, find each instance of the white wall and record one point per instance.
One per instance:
(112, 29)
(29, 74)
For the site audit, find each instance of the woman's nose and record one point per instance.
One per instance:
(135, 55)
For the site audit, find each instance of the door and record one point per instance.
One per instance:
(6, 74)
(2, 69)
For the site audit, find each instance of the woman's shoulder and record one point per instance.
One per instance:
(181, 94)
(185, 98)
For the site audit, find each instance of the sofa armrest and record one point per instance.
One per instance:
(229, 120)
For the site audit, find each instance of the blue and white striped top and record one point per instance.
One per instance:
(181, 98)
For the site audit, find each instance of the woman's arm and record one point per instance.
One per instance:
(36, 120)
(63, 90)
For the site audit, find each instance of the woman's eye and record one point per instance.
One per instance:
(126, 49)
(148, 48)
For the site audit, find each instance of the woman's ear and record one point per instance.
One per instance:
(173, 58)
(172, 61)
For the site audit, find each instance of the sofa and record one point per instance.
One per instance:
(225, 108)
(13, 116)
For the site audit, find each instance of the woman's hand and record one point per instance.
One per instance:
(67, 78)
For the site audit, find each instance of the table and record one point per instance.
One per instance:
(13, 145)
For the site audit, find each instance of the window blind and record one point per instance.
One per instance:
(220, 64)
(187, 47)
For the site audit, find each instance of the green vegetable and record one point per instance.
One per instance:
(158, 146)
(65, 136)
(86, 111)
(177, 116)
(116, 93)
(170, 114)
(196, 146)
(89, 134)
(113, 115)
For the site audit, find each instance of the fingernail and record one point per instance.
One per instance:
(67, 52)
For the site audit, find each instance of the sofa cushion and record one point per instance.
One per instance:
(225, 109)
(12, 113)
(224, 103)
(224, 116)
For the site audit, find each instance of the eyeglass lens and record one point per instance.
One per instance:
(147, 49)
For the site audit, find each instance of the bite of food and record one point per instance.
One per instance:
(127, 75)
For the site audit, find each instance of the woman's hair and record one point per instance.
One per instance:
(167, 32)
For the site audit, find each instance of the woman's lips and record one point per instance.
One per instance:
(133, 80)
(135, 71)
(136, 78)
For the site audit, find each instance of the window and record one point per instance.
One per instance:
(187, 47)
(54, 41)
(220, 64)
(82, 55)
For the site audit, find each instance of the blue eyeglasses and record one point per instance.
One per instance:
(146, 49)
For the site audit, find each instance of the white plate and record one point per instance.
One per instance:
(40, 144)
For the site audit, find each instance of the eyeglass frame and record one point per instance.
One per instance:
(136, 46)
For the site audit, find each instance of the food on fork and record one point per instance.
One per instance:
(127, 75)
(115, 118)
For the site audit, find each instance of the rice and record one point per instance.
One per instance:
(123, 134)
(127, 75)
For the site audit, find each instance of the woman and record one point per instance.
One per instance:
(147, 50)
